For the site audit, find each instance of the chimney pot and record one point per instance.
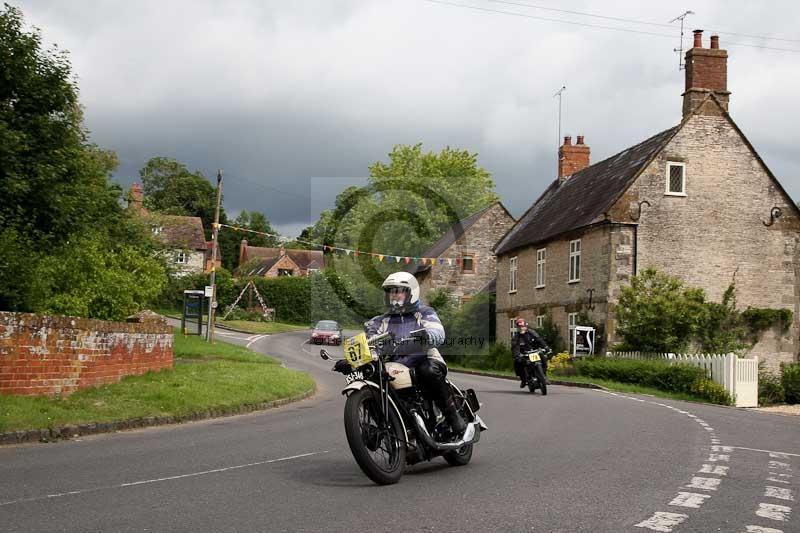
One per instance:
(567, 140)
(698, 38)
(580, 139)
(572, 159)
(715, 41)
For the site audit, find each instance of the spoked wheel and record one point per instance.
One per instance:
(461, 456)
(542, 382)
(378, 446)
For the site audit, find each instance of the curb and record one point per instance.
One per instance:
(94, 428)
(514, 378)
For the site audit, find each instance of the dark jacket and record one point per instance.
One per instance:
(410, 354)
(527, 342)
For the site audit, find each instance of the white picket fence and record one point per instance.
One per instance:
(738, 376)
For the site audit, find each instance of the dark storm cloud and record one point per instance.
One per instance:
(281, 95)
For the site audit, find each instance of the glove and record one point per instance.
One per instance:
(342, 366)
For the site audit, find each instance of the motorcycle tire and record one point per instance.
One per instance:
(459, 457)
(542, 382)
(361, 408)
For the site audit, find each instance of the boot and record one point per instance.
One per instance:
(522, 383)
(454, 419)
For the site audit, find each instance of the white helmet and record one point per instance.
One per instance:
(401, 280)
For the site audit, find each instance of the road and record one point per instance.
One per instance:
(576, 460)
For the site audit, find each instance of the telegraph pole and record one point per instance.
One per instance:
(213, 304)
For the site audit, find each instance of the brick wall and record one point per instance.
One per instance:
(57, 355)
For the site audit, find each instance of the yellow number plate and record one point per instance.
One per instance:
(356, 351)
(534, 357)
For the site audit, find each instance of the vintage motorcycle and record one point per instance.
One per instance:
(534, 372)
(389, 421)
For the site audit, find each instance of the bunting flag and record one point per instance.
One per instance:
(380, 257)
(408, 260)
(356, 253)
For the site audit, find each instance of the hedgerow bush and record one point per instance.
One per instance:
(661, 375)
(790, 379)
(770, 389)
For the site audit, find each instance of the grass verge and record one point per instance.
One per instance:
(205, 377)
(606, 384)
(242, 325)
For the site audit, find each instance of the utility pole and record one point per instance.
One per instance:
(213, 304)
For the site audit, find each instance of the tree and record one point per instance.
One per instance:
(56, 192)
(170, 188)
(656, 313)
(253, 220)
(409, 201)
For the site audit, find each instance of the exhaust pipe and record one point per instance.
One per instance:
(471, 435)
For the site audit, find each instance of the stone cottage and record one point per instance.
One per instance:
(183, 238)
(695, 201)
(469, 244)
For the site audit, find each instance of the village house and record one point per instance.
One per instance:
(186, 248)
(274, 262)
(694, 201)
(468, 244)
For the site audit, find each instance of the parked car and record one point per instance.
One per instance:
(326, 332)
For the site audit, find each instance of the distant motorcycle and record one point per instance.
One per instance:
(534, 371)
(389, 421)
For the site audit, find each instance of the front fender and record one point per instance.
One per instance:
(358, 385)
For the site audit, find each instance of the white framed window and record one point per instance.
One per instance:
(157, 230)
(181, 258)
(572, 321)
(574, 261)
(539, 321)
(676, 179)
(512, 268)
(512, 325)
(541, 266)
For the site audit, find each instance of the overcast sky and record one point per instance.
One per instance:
(286, 95)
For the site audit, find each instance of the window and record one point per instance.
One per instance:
(541, 257)
(539, 321)
(285, 272)
(467, 263)
(574, 261)
(181, 258)
(313, 271)
(676, 179)
(157, 230)
(512, 266)
(513, 325)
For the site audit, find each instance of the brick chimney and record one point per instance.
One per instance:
(706, 72)
(135, 199)
(243, 252)
(572, 158)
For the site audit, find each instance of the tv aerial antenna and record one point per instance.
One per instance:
(682, 18)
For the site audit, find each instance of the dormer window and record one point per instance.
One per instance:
(676, 179)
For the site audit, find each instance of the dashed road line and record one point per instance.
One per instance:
(759, 529)
(662, 521)
(779, 493)
(704, 483)
(773, 511)
(689, 499)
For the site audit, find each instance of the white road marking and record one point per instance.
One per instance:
(759, 529)
(785, 455)
(718, 457)
(721, 449)
(780, 493)
(774, 480)
(780, 466)
(689, 499)
(661, 521)
(715, 469)
(256, 339)
(157, 480)
(704, 483)
(773, 512)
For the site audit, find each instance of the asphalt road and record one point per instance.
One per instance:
(576, 460)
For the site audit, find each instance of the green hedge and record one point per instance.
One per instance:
(790, 379)
(657, 374)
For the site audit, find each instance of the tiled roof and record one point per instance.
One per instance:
(303, 258)
(178, 231)
(583, 197)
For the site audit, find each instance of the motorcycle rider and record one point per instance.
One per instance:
(526, 340)
(406, 313)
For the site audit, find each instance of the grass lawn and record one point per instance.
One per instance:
(615, 386)
(243, 325)
(205, 377)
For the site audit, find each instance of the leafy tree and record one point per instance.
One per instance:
(58, 207)
(256, 221)
(656, 313)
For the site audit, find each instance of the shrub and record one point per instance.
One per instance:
(492, 357)
(560, 364)
(790, 379)
(658, 374)
(770, 390)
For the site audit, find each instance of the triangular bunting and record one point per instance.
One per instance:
(407, 260)
(380, 257)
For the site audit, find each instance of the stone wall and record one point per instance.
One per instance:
(478, 239)
(57, 355)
